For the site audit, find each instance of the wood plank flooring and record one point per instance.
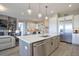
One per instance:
(64, 49)
(10, 52)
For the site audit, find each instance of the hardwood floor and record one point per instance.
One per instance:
(10, 52)
(64, 49)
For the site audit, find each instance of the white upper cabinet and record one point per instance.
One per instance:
(76, 22)
(61, 19)
(70, 17)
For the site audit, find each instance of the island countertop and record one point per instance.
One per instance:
(35, 37)
(5, 36)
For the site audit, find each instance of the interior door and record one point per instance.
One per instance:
(48, 49)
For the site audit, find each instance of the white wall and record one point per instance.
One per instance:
(53, 24)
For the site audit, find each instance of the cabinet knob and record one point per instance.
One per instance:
(51, 43)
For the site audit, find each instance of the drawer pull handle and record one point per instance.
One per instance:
(39, 45)
(51, 43)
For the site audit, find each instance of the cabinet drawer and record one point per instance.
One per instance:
(48, 47)
(38, 43)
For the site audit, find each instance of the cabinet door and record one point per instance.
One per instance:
(76, 22)
(39, 49)
(58, 40)
(48, 47)
(53, 44)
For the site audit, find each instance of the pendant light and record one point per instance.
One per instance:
(29, 9)
(46, 17)
(39, 14)
(69, 5)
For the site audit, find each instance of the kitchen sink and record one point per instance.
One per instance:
(45, 36)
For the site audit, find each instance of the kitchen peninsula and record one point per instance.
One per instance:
(38, 44)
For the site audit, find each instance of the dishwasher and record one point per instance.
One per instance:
(39, 48)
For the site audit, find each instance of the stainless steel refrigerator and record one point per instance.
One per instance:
(65, 30)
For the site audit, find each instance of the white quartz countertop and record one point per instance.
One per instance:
(35, 37)
(5, 36)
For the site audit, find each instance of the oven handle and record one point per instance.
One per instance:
(39, 44)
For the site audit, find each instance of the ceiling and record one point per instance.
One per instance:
(17, 10)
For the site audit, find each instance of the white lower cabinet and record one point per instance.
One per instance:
(53, 44)
(55, 41)
(46, 47)
(58, 41)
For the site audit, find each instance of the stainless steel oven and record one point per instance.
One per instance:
(39, 49)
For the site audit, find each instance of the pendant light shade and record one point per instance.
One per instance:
(39, 14)
(46, 17)
(29, 9)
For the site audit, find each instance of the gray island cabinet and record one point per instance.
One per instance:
(38, 45)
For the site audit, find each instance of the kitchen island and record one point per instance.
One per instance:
(38, 45)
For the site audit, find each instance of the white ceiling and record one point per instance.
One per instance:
(16, 9)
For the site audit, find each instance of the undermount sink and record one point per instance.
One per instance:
(45, 36)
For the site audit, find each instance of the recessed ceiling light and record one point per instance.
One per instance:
(39, 15)
(29, 11)
(46, 17)
(69, 5)
(2, 8)
(51, 12)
